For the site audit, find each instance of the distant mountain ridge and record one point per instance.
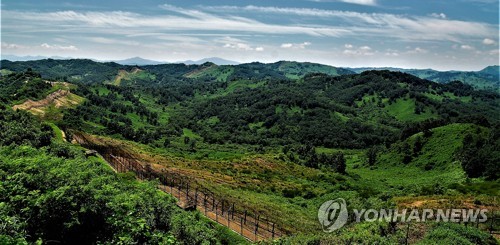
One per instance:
(29, 57)
(487, 78)
(222, 70)
(138, 61)
(215, 60)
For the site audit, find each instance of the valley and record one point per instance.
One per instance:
(279, 139)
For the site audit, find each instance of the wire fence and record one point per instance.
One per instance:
(249, 223)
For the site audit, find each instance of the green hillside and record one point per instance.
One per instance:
(488, 78)
(279, 139)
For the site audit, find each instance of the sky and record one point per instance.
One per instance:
(437, 34)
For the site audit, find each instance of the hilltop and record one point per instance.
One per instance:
(488, 78)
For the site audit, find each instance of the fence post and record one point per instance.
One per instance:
(213, 203)
(232, 212)
(216, 215)
(205, 203)
(241, 225)
(179, 188)
(256, 228)
(257, 223)
(196, 196)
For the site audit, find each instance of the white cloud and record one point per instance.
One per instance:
(440, 15)
(348, 46)
(304, 44)
(238, 46)
(411, 28)
(113, 41)
(295, 45)
(236, 43)
(118, 22)
(466, 47)
(360, 51)
(58, 47)
(418, 50)
(11, 46)
(360, 2)
(405, 27)
(494, 52)
(391, 54)
(488, 41)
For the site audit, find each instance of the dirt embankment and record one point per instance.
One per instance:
(57, 99)
(123, 74)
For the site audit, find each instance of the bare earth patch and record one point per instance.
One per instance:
(59, 99)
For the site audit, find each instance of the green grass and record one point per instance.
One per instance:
(164, 112)
(219, 73)
(405, 180)
(5, 72)
(295, 70)
(137, 121)
(102, 91)
(438, 150)
(448, 95)
(404, 110)
(259, 181)
(435, 164)
(371, 99)
(57, 131)
(213, 120)
(189, 133)
(125, 76)
(342, 117)
(241, 84)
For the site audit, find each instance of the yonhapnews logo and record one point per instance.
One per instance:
(333, 215)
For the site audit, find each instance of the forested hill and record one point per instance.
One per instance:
(488, 78)
(277, 138)
(88, 71)
(260, 104)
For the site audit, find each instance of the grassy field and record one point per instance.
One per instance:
(288, 192)
(216, 72)
(139, 74)
(404, 110)
(448, 95)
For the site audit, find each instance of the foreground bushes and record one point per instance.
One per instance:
(74, 200)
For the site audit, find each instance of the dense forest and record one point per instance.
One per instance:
(287, 135)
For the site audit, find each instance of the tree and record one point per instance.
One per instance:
(340, 163)
(371, 155)
(192, 145)
(166, 143)
(419, 144)
(406, 150)
(480, 156)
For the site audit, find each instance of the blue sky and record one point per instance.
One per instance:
(439, 34)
